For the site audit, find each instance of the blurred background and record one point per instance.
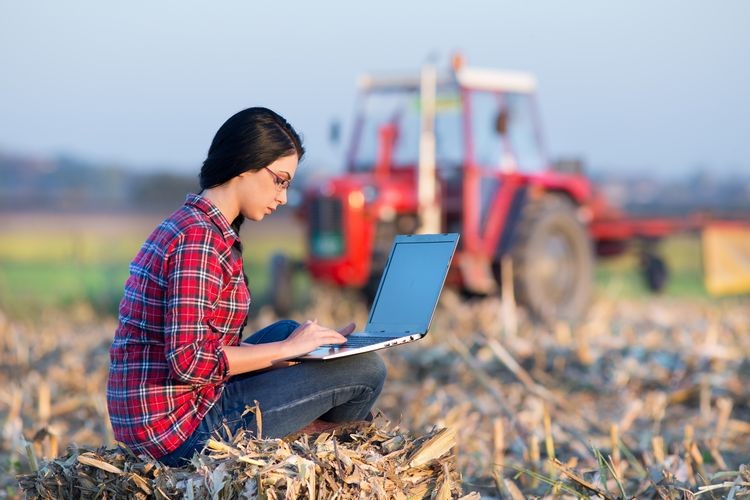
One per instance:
(107, 111)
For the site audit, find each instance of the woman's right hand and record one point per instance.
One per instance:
(309, 336)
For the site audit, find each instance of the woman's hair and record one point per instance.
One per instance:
(250, 140)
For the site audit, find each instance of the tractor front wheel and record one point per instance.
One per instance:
(654, 271)
(553, 261)
(281, 284)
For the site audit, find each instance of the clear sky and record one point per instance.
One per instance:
(658, 85)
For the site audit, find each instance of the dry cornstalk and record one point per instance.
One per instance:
(579, 480)
(633, 411)
(508, 299)
(705, 399)
(534, 457)
(583, 347)
(43, 407)
(89, 459)
(513, 490)
(563, 334)
(434, 448)
(614, 437)
(480, 375)
(724, 407)
(507, 359)
(657, 445)
(549, 441)
(697, 457)
(498, 441)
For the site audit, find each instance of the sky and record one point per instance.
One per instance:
(649, 86)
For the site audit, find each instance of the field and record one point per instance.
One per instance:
(645, 396)
(55, 261)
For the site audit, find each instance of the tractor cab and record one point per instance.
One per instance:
(459, 152)
(481, 121)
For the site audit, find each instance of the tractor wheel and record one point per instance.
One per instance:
(370, 289)
(281, 285)
(385, 233)
(553, 261)
(654, 271)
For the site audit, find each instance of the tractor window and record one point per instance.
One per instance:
(488, 143)
(449, 139)
(522, 134)
(380, 110)
(503, 131)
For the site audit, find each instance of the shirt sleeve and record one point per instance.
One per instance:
(195, 278)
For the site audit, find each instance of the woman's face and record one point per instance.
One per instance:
(262, 191)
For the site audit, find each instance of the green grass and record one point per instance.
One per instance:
(56, 268)
(53, 267)
(621, 277)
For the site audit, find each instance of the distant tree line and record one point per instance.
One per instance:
(702, 192)
(71, 185)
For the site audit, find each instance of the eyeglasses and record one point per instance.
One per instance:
(280, 182)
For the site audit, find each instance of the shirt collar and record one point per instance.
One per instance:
(206, 206)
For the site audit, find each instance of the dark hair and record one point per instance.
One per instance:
(249, 140)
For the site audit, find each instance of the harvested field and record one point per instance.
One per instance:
(646, 398)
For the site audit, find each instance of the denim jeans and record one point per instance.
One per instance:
(289, 398)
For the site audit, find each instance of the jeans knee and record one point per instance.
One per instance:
(374, 369)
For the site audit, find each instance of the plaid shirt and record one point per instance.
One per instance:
(184, 301)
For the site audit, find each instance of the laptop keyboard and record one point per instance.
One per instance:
(360, 341)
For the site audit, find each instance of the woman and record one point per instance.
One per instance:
(178, 370)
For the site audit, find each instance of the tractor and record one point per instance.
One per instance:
(462, 151)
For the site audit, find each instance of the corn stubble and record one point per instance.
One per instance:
(643, 399)
(364, 461)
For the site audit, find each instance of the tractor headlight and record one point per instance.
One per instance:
(356, 200)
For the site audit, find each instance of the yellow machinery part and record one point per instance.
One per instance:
(726, 259)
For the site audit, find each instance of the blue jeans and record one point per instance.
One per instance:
(339, 390)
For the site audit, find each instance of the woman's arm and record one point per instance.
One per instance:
(305, 338)
(193, 347)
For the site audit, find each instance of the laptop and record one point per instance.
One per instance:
(406, 299)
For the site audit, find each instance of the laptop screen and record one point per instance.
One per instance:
(411, 283)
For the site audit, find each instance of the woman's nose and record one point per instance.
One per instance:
(281, 197)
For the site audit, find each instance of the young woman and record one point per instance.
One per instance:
(178, 370)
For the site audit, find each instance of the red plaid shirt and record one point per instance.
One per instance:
(184, 301)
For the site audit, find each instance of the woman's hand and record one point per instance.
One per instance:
(305, 338)
(346, 330)
(310, 335)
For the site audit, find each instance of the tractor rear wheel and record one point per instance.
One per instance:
(553, 261)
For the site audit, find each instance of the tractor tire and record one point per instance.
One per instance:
(654, 271)
(553, 261)
(281, 284)
(385, 233)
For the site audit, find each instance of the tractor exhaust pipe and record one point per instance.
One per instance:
(429, 210)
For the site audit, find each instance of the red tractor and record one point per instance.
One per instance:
(462, 152)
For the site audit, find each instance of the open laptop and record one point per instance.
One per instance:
(407, 295)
